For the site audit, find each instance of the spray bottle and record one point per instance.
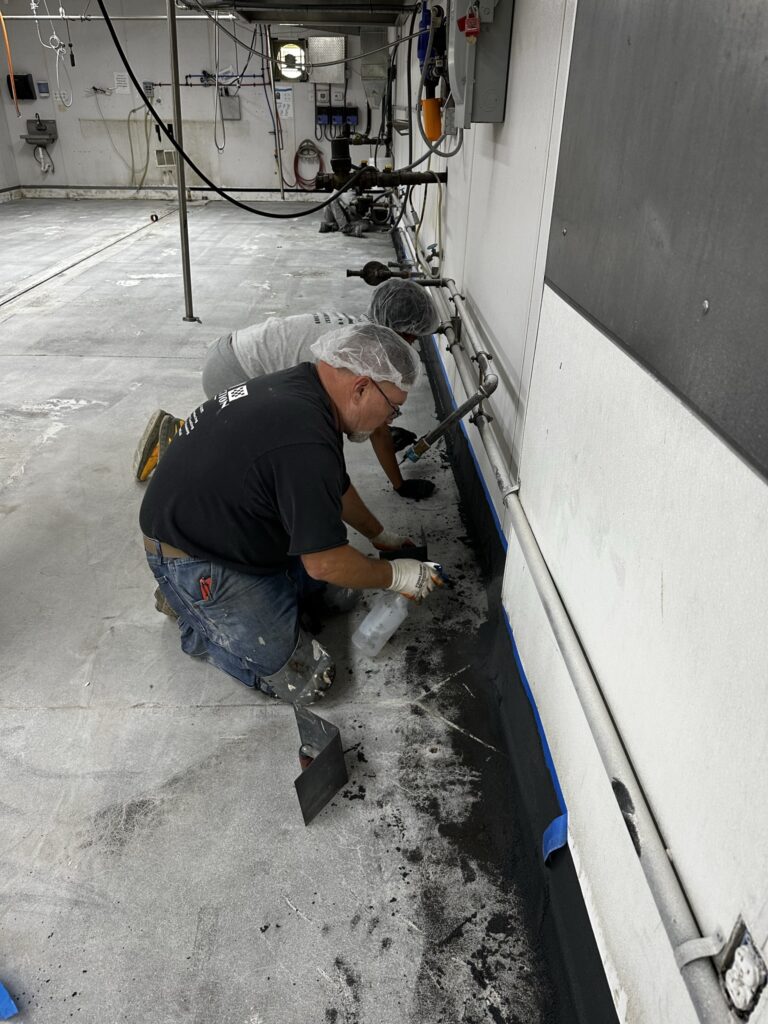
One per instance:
(388, 611)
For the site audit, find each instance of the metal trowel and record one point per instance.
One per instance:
(321, 756)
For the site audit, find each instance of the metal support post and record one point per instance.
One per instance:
(278, 148)
(181, 185)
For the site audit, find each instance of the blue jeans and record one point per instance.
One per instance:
(247, 626)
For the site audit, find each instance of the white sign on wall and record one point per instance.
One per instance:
(284, 94)
(121, 82)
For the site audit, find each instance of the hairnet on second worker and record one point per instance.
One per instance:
(371, 350)
(405, 307)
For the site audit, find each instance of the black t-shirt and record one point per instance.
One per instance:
(255, 474)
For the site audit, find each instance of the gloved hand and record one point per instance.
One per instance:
(386, 541)
(416, 489)
(414, 579)
(401, 438)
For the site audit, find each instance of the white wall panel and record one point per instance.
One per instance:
(8, 174)
(510, 195)
(646, 985)
(657, 537)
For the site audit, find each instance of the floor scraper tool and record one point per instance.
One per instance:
(324, 771)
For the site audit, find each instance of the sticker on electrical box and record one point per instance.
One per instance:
(121, 82)
(284, 97)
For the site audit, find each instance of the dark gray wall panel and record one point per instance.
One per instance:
(661, 202)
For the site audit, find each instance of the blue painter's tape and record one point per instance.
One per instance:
(556, 833)
(555, 836)
(8, 1008)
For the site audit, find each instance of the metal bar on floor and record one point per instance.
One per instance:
(181, 186)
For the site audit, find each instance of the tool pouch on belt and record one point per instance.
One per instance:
(306, 676)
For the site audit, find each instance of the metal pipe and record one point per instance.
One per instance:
(112, 17)
(480, 421)
(665, 886)
(278, 148)
(189, 314)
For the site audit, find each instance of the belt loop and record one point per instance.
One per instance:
(158, 548)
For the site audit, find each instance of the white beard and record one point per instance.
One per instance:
(358, 436)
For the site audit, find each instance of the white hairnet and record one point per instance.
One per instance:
(405, 307)
(370, 350)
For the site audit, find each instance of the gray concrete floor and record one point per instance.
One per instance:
(153, 861)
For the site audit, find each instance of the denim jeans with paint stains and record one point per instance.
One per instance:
(247, 626)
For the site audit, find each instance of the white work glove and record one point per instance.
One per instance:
(386, 541)
(414, 579)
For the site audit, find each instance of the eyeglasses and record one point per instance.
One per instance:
(395, 408)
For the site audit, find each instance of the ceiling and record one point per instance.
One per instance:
(313, 13)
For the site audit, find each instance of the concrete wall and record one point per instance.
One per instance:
(84, 154)
(8, 173)
(655, 534)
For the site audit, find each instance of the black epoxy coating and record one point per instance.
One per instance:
(518, 799)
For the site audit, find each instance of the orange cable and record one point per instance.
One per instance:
(10, 65)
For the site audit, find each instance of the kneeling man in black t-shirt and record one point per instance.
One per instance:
(244, 515)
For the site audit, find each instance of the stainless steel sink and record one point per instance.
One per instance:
(40, 132)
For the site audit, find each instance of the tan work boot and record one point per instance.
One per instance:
(145, 456)
(169, 428)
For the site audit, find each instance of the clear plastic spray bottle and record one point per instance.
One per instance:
(388, 611)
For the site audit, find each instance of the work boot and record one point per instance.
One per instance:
(162, 605)
(145, 456)
(169, 428)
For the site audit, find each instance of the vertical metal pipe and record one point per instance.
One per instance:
(278, 150)
(181, 184)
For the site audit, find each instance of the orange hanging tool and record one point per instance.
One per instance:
(433, 128)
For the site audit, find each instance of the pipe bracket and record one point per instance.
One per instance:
(699, 949)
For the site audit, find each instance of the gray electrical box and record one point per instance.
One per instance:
(230, 108)
(479, 69)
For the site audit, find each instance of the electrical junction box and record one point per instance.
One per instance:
(322, 115)
(337, 96)
(351, 116)
(322, 96)
(230, 108)
(43, 89)
(742, 970)
(337, 117)
(479, 70)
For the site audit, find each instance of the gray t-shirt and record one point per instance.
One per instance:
(283, 341)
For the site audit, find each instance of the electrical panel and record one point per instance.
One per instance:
(230, 107)
(478, 60)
